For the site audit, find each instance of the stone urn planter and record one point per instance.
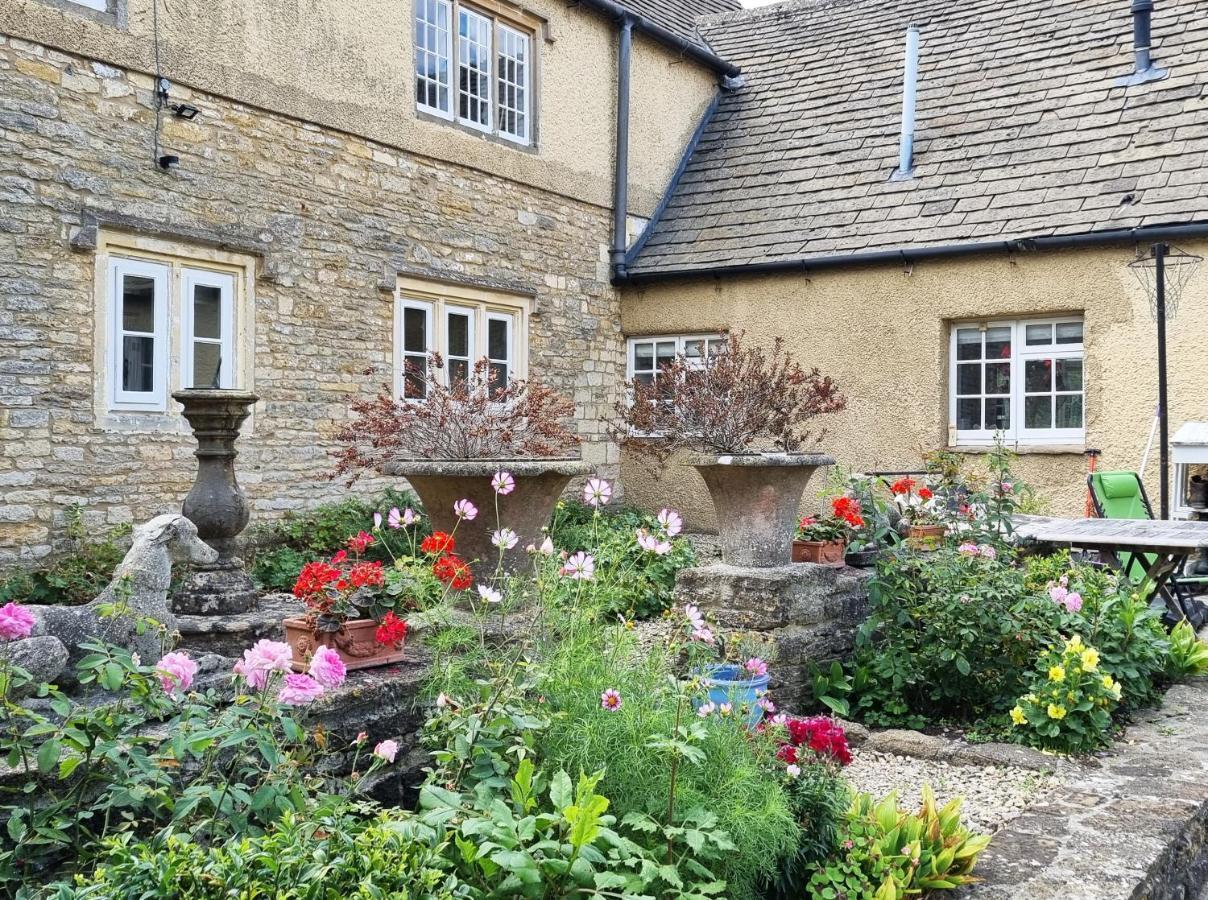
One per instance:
(756, 497)
(926, 537)
(354, 642)
(216, 504)
(526, 510)
(822, 553)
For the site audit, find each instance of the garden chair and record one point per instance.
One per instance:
(1121, 495)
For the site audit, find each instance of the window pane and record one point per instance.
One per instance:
(665, 351)
(497, 340)
(415, 372)
(474, 67)
(207, 311)
(1038, 412)
(968, 414)
(998, 378)
(1038, 375)
(646, 378)
(206, 360)
(1069, 374)
(459, 335)
(968, 343)
(415, 330)
(998, 343)
(694, 348)
(1069, 411)
(459, 372)
(138, 304)
(138, 364)
(1069, 333)
(513, 82)
(432, 54)
(643, 357)
(969, 378)
(1039, 335)
(497, 377)
(998, 413)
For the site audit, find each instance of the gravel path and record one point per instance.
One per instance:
(993, 794)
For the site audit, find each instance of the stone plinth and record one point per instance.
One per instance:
(810, 612)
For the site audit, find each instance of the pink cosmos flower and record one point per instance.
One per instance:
(442, 700)
(503, 483)
(704, 635)
(489, 595)
(394, 518)
(967, 549)
(652, 544)
(327, 668)
(505, 538)
(706, 709)
(726, 709)
(405, 519)
(766, 704)
(464, 509)
(175, 672)
(671, 522)
(780, 719)
(692, 614)
(299, 690)
(611, 700)
(386, 750)
(793, 770)
(546, 548)
(15, 622)
(362, 737)
(756, 667)
(597, 492)
(579, 567)
(260, 659)
(377, 521)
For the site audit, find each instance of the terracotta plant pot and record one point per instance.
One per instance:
(822, 553)
(354, 642)
(926, 537)
(756, 497)
(526, 510)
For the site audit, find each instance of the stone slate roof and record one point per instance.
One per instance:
(1021, 131)
(680, 16)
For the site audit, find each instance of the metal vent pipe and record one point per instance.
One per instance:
(910, 80)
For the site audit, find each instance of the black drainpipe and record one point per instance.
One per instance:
(620, 187)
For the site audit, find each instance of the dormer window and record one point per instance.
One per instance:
(474, 69)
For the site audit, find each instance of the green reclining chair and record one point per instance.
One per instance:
(1121, 495)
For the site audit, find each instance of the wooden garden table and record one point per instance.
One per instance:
(1169, 543)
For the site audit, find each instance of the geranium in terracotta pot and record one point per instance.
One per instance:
(920, 513)
(823, 539)
(502, 449)
(742, 413)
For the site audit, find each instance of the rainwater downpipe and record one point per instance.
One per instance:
(620, 187)
(910, 82)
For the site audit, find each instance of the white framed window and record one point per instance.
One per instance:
(474, 69)
(207, 329)
(1022, 379)
(464, 325)
(99, 5)
(649, 356)
(138, 349)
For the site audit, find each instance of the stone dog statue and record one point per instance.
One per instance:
(139, 590)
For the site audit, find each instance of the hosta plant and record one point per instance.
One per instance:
(1188, 654)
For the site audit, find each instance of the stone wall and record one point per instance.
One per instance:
(332, 219)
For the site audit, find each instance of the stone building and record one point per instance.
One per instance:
(308, 197)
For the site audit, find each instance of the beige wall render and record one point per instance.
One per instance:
(882, 332)
(348, 65)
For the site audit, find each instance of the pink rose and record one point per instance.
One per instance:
(327, 668)
(15, 622)
(386, 750)
(175, 672)
(299, 690)
(260, 659)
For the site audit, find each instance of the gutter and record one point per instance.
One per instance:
(914, 254)
(665, 36)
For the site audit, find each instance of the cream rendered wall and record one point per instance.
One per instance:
(348, 64)
(882, 332)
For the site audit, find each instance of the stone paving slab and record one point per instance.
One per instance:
(1134, 829)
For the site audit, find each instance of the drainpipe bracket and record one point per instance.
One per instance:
(1153, 73)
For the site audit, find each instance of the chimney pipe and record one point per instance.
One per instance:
(910, 80)
(1144, 70)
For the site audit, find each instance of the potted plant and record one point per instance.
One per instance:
(742, 414)
(476, 452)
(823, 539)
(733, 670)
(877, 532)
(920, 513)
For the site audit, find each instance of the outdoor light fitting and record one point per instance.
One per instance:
(184, 111)
(167, 161)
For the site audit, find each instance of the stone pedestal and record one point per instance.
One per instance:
(756, 497)
(216, 504)
(809, 612)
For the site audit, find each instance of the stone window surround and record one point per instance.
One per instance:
(178, 255)
(439, 295)
(680, 341)
(110, 12)
(517, 18)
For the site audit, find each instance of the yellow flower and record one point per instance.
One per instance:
(1017, 715)
(1090, 659)
(1108, 682)
(1056, 674)
(1056, 712)
(1075, 644)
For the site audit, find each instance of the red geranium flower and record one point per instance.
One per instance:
(902, 486)
(437, 542)
(925, 493)
(847, 509)
(358, 542)
(390, 630)
(314, 579)
(366, 574)
(453, 570)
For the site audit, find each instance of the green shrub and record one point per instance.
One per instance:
(1069, 704)
(75, 576)
(819, 798)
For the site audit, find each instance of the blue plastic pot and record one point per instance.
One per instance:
(734, 685)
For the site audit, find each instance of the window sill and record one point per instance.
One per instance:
(529, 146)
(1025, 449)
